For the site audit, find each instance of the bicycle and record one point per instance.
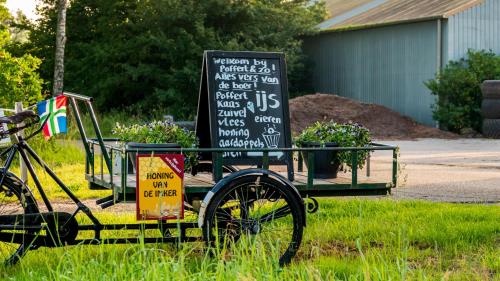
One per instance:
(24, 227)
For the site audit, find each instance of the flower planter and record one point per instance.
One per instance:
(146, 149)
(326, 163)
(331, 134)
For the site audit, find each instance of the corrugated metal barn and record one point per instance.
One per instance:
(382, 51)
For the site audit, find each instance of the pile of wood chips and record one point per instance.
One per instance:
(384, 123)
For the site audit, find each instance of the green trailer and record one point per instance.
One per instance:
(259, 205)
(233, 201)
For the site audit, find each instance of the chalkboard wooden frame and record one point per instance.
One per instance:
(206, 125)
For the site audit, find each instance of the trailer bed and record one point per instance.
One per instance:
(203, 182)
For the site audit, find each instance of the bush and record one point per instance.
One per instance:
(458, 90)
(19, 80)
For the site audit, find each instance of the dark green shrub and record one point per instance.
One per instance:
(458, 90)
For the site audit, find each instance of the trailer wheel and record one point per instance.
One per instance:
(490, 108)
(257, 213)
(491, 128)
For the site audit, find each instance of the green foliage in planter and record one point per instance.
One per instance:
(344, 135)
(160, 132)
(458, 90)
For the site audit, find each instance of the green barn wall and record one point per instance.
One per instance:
(383, 65)
(476, 28)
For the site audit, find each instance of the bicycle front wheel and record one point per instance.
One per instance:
(14, 200)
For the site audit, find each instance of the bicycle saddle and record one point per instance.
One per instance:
(18, 118)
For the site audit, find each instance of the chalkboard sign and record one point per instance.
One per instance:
(243, 103)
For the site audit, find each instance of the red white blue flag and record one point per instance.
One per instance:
(55, 110)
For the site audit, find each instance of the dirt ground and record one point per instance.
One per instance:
(456, 170)
(382, 122)
(461, 170)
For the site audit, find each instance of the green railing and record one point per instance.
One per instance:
(101, 152)
(122, 151)
(74, 98)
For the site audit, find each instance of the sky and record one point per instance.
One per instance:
(27, 6)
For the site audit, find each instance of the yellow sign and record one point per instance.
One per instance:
(159, 190)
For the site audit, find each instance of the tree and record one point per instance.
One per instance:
(5, 19)
(60, 44)
(147, 54)
(19, 80)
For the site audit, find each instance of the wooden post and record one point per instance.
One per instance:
(368, 166)
(23, 168)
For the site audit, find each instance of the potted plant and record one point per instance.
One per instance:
(157, 134)
(331, 134)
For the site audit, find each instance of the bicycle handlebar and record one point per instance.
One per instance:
(34, 120)
(39, 129)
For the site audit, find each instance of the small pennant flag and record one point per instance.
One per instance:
(55, 110)
(3, 128)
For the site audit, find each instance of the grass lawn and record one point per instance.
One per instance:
(348, 239)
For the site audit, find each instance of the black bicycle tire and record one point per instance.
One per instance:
(29, 206)
(291, 199)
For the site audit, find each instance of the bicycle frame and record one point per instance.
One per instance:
(24, 150)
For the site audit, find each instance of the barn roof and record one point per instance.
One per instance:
(354, 14)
